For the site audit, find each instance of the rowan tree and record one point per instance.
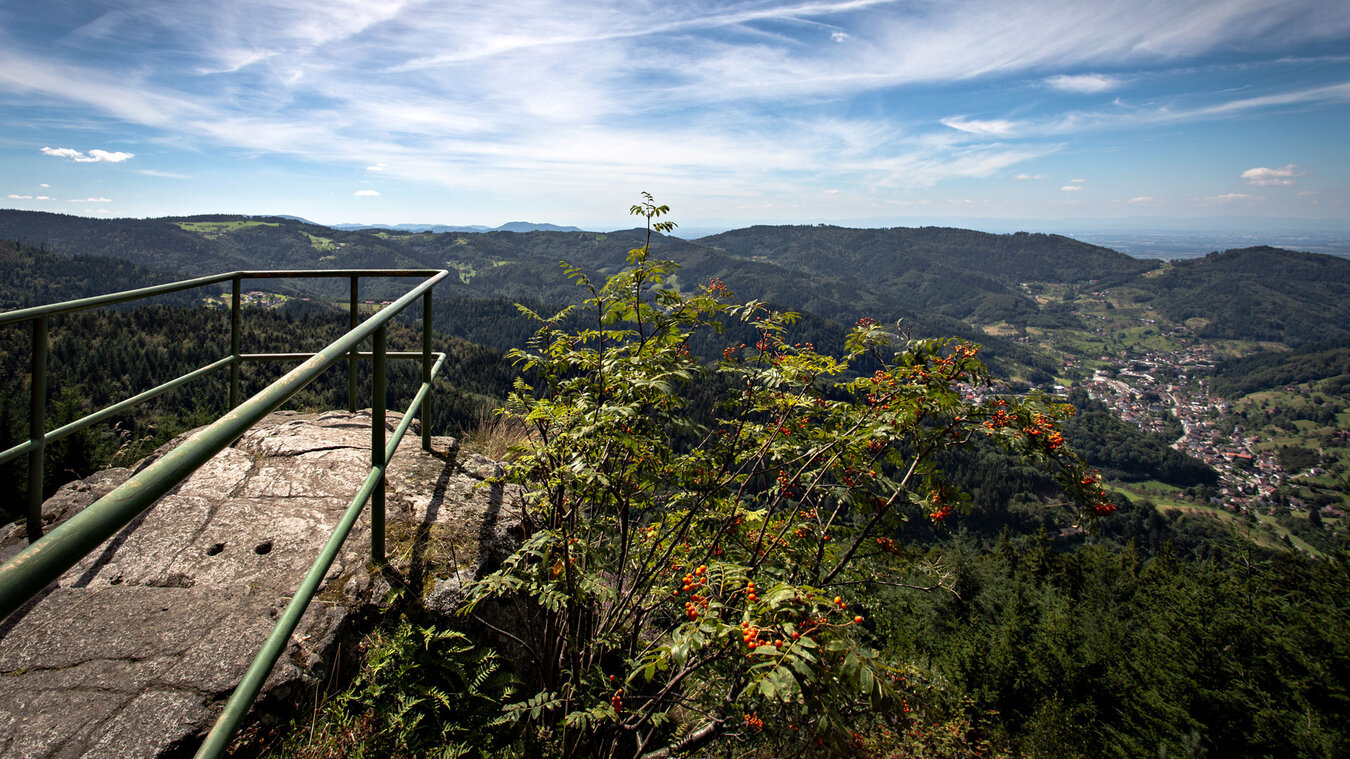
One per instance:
(680, 583)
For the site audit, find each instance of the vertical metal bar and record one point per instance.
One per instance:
(37, 429)
(236, 321)
(426, 369)
(377, 458)
(351, 358)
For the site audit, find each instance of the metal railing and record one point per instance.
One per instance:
(25, 575)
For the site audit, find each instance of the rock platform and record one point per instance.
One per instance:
(134, 650)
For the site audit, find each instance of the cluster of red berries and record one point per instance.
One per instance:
(866, 321)
(999, 419)
(616, 700)
(963, 350)
(754, 637)
(750, 591)
(693, 583)
(941, 510)
(718, 288)
(889, 545)
(1101, 505)
(753, 721)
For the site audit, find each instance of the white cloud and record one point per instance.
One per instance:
(1143, 200)
(1077, 181)
(44, 186)
(1071, 188)
(163, 174)
(1264, 177)
(1231, 197)
(93, 156)
(570, 99)
(1025, 177)
(1083, 83)
(985, 128)
(1176, 111)
(90, 200)
(366, 194)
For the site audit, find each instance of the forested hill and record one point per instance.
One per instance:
(940, 280)
(955, 272)
(32, 277)
(1260, 293)
(1020, 257)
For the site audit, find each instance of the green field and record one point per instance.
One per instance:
(321, 243)
(214, 229)
(1269, 533)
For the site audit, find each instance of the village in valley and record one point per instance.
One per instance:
(1282, 455)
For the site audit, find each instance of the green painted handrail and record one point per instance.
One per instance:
(25, 575)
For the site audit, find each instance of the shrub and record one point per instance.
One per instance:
(682, 582)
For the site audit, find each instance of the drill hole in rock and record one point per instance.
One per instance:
(262, 549)
(215, 549)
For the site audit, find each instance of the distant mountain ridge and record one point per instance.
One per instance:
(942, 281)
(510, 226)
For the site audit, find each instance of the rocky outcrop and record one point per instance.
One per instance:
(133, 651)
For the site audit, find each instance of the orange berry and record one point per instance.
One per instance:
(857, 620)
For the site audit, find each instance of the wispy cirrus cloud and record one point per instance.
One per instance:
(1083, 83)
(753, 97)
(163, 174)
(984, 127)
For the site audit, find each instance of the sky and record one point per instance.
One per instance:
(733, 113)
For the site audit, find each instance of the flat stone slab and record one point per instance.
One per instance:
(133, 651)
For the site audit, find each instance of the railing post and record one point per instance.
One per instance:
(426, 370)
(236, 321)
(377, 458)
(351, 357)
(37, 429)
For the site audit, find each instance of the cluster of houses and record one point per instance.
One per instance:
(1147, 389)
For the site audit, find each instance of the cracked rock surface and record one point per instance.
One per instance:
(134, 650)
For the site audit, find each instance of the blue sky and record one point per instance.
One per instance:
(734, 113)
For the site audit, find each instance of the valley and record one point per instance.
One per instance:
(1143, 337)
